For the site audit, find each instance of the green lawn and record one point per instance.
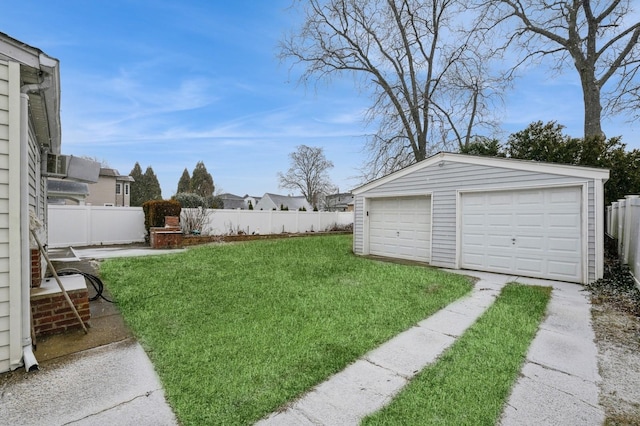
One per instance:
(237, 330)
(469, 384)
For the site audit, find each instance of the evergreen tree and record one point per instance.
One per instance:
(201, 181)
(184, 184)
(152, 186)
(137, 187)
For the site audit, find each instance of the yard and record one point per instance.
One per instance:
(237, 330)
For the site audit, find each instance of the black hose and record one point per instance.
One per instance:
(97, 284)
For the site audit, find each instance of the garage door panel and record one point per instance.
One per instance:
(563, 269)
(400, 227)
(526, 232)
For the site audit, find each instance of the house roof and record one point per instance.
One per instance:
(292, 202)
(37, 68)
(229, 196)
(506, 163)
(105, 171)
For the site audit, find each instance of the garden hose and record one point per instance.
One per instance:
(97, 284)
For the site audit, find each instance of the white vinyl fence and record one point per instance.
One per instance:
(97, 225)
(94, 225)
(623, 224)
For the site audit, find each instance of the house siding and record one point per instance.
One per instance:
(444, 182)
(4, 218)
(102, 192)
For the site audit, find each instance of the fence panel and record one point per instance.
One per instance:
(623, 220)
(94, 225)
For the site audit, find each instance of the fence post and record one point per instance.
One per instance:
(628, 220)
(621, 217)
(89, 222)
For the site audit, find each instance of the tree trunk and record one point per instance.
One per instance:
(592, 106)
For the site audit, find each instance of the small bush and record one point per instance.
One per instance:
(189, 200)
(155, 212)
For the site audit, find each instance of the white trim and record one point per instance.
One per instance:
(15, 234)
(585, 233)
(505, 163)
(598, 187)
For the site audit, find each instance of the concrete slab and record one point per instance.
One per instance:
(77, 387)
(534, 402)
(409, 352)
(111, 252)
(450, 323)
(569, 354)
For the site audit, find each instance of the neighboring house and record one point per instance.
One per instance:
(279, 202)
(342, 202)
(112, 189)
(516, 217)
(236, 202)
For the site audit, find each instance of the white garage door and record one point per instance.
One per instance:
(535, 233)
(400, 227)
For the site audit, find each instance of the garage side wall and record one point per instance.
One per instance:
(444, 181)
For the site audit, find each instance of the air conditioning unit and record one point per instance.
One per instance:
(57, 165)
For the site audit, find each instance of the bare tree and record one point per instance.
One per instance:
(600, 39)
(308, 174)
(408, 54)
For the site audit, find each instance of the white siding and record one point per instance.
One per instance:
(4, 218)
(443, 182)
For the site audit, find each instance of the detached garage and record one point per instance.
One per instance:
(488, 214)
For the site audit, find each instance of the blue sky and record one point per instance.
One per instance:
(169, 83)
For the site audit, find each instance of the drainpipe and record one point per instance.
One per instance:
(28, 358)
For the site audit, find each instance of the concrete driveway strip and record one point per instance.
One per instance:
(559, 381)
(112, 384)
(371, 382)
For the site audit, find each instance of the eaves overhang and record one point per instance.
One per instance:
(505, 163)
(37, 68)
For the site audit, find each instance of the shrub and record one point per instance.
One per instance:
(189, 200)
(155, 212)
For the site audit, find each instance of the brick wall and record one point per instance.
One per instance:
(52, 314)
(36, 268)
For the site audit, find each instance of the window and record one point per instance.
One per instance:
(118, 188)
(126, 189)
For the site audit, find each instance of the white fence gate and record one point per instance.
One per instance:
(623, 224)
(98, 225)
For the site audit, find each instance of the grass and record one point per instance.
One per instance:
(237, 330)
(469, 384)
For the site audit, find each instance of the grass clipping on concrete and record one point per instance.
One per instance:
(237, 330)
(470, 383)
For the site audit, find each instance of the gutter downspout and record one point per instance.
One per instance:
(28, 358)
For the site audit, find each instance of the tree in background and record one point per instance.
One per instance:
(201, 181)
(137, 186)
(145, 186)
(184, 184)
(430, 83)
(598, 38)
(308, 173)
(152, 186)
(547, 142)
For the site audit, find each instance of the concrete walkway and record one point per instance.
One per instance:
(558, 386)
(114, 384)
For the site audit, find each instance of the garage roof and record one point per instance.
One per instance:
(505, 163)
